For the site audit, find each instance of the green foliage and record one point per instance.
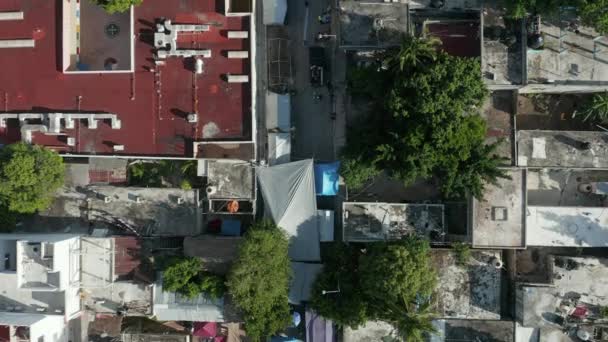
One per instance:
(596, 110)
(462, 252)
(8, 220)
(424, 122)
(158, 173)
(593, 13)
(259, 280)
(357, 171)
(348, 307)
(396, 273)
(604, 311)
(29, 175)
(186, 276)
(519, 9)
(185, 185)
(114, 6)
(391, 282)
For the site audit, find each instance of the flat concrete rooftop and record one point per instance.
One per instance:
(471, 291)
(372, 24)
(152, 103)
(502, 60)
(573, 277)
(566, 187)
(474, 330)
(232, 179)
(498, 220)
(157, 212)
(576, 149)
(566, 226)
(391, 221)
(569, 55)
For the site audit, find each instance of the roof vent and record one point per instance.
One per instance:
(499, 214)
(192, 118)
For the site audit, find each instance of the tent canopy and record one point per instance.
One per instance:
(275, 12)
(290, 201)
(279, 148)
(304, 275)
(326, 178)
(278, 111)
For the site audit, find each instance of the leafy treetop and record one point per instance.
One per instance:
(186, 277)
(29, 175)
(259, 280)
(391, 282)
(425, 122)
(114, 6)
(592, 13)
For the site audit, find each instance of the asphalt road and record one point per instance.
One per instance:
(311, 117)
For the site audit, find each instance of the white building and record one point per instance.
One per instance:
(39, 285)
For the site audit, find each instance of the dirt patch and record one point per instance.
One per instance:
(552, 112)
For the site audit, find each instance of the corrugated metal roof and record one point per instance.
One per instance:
(171, 306)
(127, 257)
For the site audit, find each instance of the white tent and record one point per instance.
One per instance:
(279, 148)
(278, 122)
(278, 111)
(274, 12)
(290, 201)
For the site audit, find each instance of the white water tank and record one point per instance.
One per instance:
(198, 66)
(211, 190)
(496, 263)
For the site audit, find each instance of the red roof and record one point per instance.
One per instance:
(127, 256)
(31, 80)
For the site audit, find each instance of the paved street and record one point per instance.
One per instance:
(314, 128)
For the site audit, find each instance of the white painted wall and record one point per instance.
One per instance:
(53, 328)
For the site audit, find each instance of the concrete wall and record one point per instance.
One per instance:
(67, 33)
(8, 247)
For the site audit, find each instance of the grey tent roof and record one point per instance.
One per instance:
(290, 201)
(304, 275)
(274, 12)
(278, 111)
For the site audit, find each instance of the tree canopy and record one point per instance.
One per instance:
(593, 13)
(186, 276)
(391, 282)
(29, 175)
(424, 122)
(114, 6)
(259, 280)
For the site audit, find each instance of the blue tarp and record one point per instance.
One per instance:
(326, 178)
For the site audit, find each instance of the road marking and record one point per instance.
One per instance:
(306, 25)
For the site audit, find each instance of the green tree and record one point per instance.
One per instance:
(114, 6)
(29, 176)
(412, 52)
(462, 252)
(594, 13)
(347, 307)
(391, 282)
(186, 276)
(596, 110)
(396, 273)
(424, 122)
(259, 280)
